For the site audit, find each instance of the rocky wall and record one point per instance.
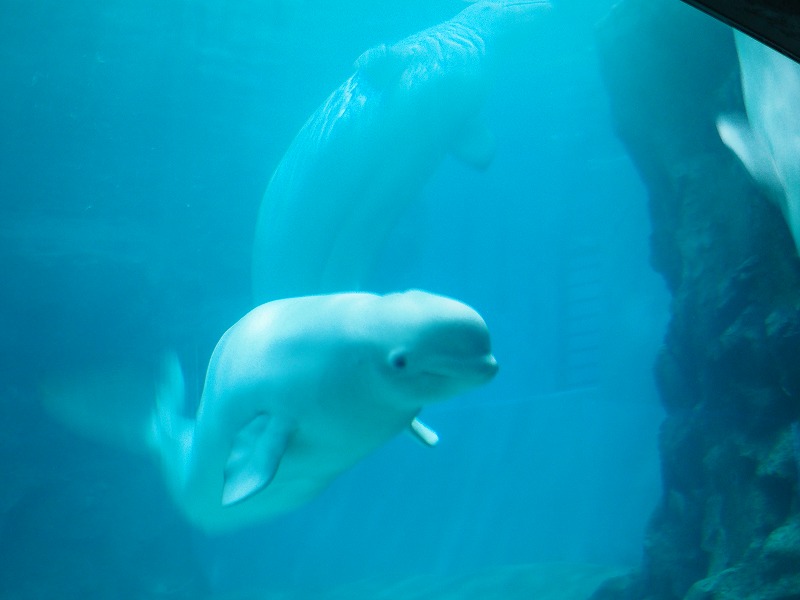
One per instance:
(728, 523)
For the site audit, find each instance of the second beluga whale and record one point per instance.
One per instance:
(767, 138)
(368, 150)
(300, 389)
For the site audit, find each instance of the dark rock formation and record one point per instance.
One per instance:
(728, 523)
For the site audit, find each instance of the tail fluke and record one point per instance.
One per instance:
(137, 408)
(171, 431)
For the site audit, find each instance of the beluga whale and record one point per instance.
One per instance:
(767, 138)
(368, 150)
(300, 389)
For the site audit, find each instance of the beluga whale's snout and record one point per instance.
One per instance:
(478, 369)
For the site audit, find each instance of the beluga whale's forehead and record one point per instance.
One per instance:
(435, 324)
(418, 308)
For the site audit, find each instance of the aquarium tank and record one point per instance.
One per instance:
(393, 300)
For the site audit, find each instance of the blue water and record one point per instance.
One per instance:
(137, 140)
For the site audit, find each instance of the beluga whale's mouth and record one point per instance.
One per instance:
(476, 369)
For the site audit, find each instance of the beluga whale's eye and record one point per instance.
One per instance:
(398, 359)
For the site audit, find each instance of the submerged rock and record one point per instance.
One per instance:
(728, 373)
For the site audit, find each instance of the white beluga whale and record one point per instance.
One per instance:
(300, 389)
(767, 138)
(368, 150)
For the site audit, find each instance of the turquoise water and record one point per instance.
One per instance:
(138, 139)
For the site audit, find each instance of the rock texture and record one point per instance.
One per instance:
(728, 523)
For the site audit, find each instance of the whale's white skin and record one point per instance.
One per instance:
(767, 139)
(369, 148)
(300, 389)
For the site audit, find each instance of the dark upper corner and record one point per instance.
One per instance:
(774, 22)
